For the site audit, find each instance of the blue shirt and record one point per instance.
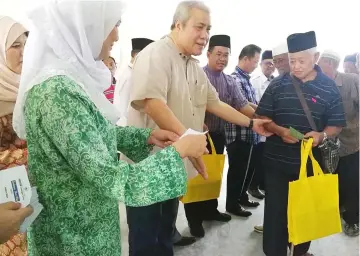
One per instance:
(281, 104)
(232, 132)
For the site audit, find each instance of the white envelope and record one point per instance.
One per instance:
(15, 186)
(190, 169)
(192, 132)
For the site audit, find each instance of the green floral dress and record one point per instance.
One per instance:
(74, 164)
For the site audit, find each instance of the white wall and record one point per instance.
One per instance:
(262, 22)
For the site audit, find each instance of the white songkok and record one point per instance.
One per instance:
(280, 49)
(331, 55)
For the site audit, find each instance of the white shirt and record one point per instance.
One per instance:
(122, 94)
(260, 83)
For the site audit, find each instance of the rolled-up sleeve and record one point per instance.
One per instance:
(238, 99)
(150, 77)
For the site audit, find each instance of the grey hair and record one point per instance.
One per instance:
(182, 12)
(312, 51)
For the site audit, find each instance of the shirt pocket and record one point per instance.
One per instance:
(200, 95)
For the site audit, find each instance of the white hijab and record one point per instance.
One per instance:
(66, 38)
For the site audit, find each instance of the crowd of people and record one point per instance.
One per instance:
(90, 138)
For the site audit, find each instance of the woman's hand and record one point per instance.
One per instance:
(11, 217)
(193, 146)
(162, 138)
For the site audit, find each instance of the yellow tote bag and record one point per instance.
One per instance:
(199, 189)
(313, 204)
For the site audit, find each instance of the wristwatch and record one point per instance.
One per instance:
(251, 125)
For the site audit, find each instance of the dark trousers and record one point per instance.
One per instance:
(219, 142)
(257, 165)
(198, 211)
(348, 170)
(239, 174)
(151, 228)
(275, 238)
(176, 236)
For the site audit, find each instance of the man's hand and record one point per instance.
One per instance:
(162, 138)
(254, 106)
(199, 166)
(259, 128)
(286, 136)
(317, 136)
(11, 217)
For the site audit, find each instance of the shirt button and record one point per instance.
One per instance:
(190, 98)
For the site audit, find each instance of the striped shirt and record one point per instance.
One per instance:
(231, 130)
(281, 103)
(228, 93)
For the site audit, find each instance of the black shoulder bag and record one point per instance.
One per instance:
(330, 147)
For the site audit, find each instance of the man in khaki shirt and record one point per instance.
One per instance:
(170, 90)
(348, 169)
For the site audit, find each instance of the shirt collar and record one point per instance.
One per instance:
(242, 72)
(319, 75)
(317, 68)
(131, 65)
(215, 73)
(170, 42)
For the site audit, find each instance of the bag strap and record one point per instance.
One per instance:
(304, 104)
(212, 146)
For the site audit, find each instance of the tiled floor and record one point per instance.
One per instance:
(237, 238)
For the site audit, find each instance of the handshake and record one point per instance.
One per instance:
(191, 144)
